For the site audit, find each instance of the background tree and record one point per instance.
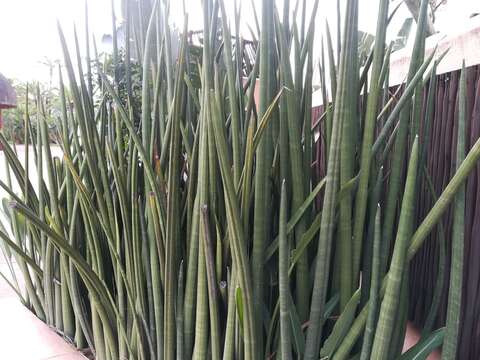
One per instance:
(414, 7)
(14, 119)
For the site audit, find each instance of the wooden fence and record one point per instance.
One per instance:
(440, 165)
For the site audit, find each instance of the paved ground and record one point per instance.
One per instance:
(22, 335)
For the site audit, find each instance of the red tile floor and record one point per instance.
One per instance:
(22, 335)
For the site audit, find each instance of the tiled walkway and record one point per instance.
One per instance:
(23, 336)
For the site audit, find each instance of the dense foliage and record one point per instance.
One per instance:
(27, 96)
(185, 225)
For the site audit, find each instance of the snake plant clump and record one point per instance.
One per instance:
(185, 218)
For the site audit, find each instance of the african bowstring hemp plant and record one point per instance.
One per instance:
(381, 347)
(344, 108)
(263, 158)
(193, 226)
(456, 272)
(367, 141)
(401, 139)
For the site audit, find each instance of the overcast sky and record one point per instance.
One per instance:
(28, 33)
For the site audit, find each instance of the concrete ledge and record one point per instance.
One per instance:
(463, 45)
